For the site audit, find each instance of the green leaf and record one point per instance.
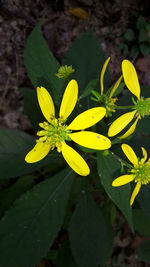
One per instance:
(14, 145)
(108, 167)
(144, 197)
(140, 24)
(144, 251)
(129, 35)
(145, 49)
(87, 232)
(31, 107)
(87, 58)
(124, 48)
(90, 86)
(143, 37)
(64, 257)
(30, 227)
(134, 51)
(41, 65)
(141, 222)
(8, 196)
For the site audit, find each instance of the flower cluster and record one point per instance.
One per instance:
(140, 172)
(141, 106)
(55, 133)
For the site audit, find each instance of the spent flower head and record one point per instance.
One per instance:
(141, 106)
(55, 132)
(106, 100)
(64, 72)
(139, 173)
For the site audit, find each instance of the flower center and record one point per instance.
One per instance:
(54, 133)
(142, 172)
(143, 106)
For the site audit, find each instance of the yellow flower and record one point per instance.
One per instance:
(140, 172)
(106, 100)
(141, 107)
(55, 132)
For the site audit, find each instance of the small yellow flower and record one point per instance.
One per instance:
(140, 172)
(106, 100)
(141, 107)
(55, 132)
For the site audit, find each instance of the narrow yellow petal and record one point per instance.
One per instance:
(39, 152)
(74, 160)
(46, 103)
(131, 78)
(119, 124)
(144, 155)
(130, 130)
(124, 179)
(115, 86)
(102, 75)
(130, 154)
(87, 118)
(91, 140)
(69, 99)
(135, 192)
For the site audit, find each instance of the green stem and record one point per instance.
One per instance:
(124, 107)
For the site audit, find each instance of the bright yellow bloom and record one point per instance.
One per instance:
(106, 100)
(141, 107)
(140, 172)
(55, 132)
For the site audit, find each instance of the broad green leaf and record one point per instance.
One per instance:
(141, 222)
(14, 145)
(41, 65)
(88, 234)
(143, 252)
(143, 36)
(31, 107)
(87, 58)
(9, 195)
(29, 228)
(140, 23)
(64, 257)
(145, 49)
(90, 86)
(108, 167)
(143, 198)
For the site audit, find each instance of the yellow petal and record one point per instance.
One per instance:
(87, 118)
(144, 155)
(39, 152)
(131, 78)
(115, 86)
(46, 103)
(130, 154)
(91, 140)
(124, 179)
(135, 192)
(130, 130)
(74, 160)
(69, 99)
(102, 75)
(119, 124)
